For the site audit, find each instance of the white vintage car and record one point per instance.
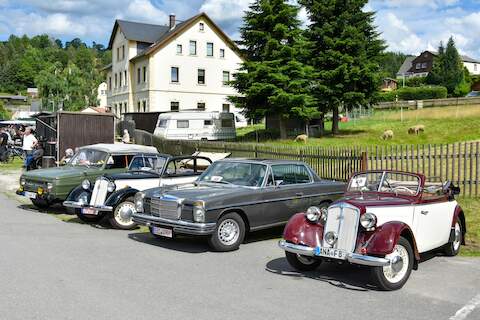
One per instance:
(385, 220)
(112, 195)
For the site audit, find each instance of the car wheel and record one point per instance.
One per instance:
(122, 215)
(395, 275)
(41, 203)
(228, 234)
(90, 218)
(302, 263)
(451, 249)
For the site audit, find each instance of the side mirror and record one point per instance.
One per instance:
(278, 183)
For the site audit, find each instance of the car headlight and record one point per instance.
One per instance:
(83, 198)
(111, 186)
(313, 214)
(23, 181)
(86, 184)
(139, 201)
(368, 220)
(199, 211)
(49, 186)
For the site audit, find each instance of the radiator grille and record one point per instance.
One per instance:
(343, 220)
(99, 193)
(168, 209)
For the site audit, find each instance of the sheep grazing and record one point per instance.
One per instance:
(301, 138)
(387, 134)
(416, 129)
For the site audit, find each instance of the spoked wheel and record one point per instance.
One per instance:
(451, 249)
(302, 263)
(229, 233)
(122, 216)
(395, 275)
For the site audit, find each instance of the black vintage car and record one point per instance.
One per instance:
(112, 195)
(233, 197)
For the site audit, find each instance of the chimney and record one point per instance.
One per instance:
(172, 21)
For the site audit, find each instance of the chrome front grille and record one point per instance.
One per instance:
(342, 219)
(165, 208)
(99, 193)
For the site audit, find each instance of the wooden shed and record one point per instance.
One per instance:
(146, 121)
(62, 130)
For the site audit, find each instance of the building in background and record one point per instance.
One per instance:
(185, 65)
(102, 95)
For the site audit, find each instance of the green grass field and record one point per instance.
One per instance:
(14, 165)
(442, 125)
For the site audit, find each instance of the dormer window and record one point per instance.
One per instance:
(201, 26)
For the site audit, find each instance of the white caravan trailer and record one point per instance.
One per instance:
(196, 125)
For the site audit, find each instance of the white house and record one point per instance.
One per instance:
(102, 95)
(182, 66)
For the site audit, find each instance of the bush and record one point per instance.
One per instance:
(387, 96)
(422, 93)
(416, 81)
(4, 113)
(462, 89)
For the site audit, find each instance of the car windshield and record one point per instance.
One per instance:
(236, 173)
(147, 163)
(89, 158)
(398, 183)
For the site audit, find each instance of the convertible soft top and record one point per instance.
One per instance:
(121, 148)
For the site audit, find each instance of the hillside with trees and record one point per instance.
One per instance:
(65, 74)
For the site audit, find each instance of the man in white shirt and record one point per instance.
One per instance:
(29, 142)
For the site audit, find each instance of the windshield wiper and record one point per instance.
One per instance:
(220, 181)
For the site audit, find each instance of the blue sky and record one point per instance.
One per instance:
(409, 26)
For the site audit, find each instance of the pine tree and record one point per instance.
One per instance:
(345, 52)
(273, 80)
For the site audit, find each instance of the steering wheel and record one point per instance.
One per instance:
(404, 189)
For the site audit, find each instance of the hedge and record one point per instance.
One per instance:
(422, 93)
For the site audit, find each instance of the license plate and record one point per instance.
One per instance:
(331, 253)
(89, 211)
(164, 232)
(31, 195)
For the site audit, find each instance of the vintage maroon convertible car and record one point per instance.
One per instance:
(385, 220)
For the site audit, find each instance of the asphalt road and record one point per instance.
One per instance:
(50, 269)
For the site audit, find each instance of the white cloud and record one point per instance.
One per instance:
(145, 11)
(397, 34)
(222, 10)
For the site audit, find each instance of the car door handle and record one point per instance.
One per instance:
(424, 212)
(299, 194)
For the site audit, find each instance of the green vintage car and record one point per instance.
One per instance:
(48, 186)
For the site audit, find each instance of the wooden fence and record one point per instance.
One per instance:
(457, 162)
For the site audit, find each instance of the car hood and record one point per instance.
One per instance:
(57, 173)
(368, 199)
(194, 192)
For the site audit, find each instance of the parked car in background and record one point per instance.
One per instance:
(385, 220)
(112, 195)
(233, 197)
(51, 185)
(196, 125)
(473, 94)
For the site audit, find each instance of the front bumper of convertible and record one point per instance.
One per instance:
(178, 226)
(81, 205)
(353, 258)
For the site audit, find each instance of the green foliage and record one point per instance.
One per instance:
(345, 52)
(4, 113)
(274, 79)
(390, 63)
(416, 81)
(448, 70)
(387, 96)
(422, 93)
(67, 73)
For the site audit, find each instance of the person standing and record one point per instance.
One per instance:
(126, 136)
(3, 144)
(29, 142)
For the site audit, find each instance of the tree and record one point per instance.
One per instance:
(345, 52)
(390, 63)
(4, 113)
(448, 70)
(273, 80)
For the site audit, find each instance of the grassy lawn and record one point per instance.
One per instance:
(471, 207)
(442, 125)
(16, 164)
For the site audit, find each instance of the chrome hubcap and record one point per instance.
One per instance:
(458, 236)
(398, 267)
(124, 212)
(228, 232)
(305, 260)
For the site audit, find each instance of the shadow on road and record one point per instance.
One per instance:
(344, 276)
(182, 244)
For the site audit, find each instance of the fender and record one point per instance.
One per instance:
(458, 214)
(385, 237)
(73, 195)
(119, 195)
(300, 231)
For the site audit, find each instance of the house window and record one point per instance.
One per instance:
(144, 105)
(201, 26)
(125, 78)
(193, 48)
(201, 106)
(222, 53)
(209, 49)
(174, 106)
(225, 107)
(138, 106)
(226, 77)
(120, 79)
(424, 65)
(207, 123)
(418, 66)
(179, 49)
(123, 52)
(181, 124)
(118, 54)
(138, 75)
(116, 80)
(475, 67)
(144, 74)
(174, 75)
(109, 83)
(201, 76)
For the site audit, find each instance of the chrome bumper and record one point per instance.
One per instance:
(354, 258)
(178, 226)
(80, 205)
